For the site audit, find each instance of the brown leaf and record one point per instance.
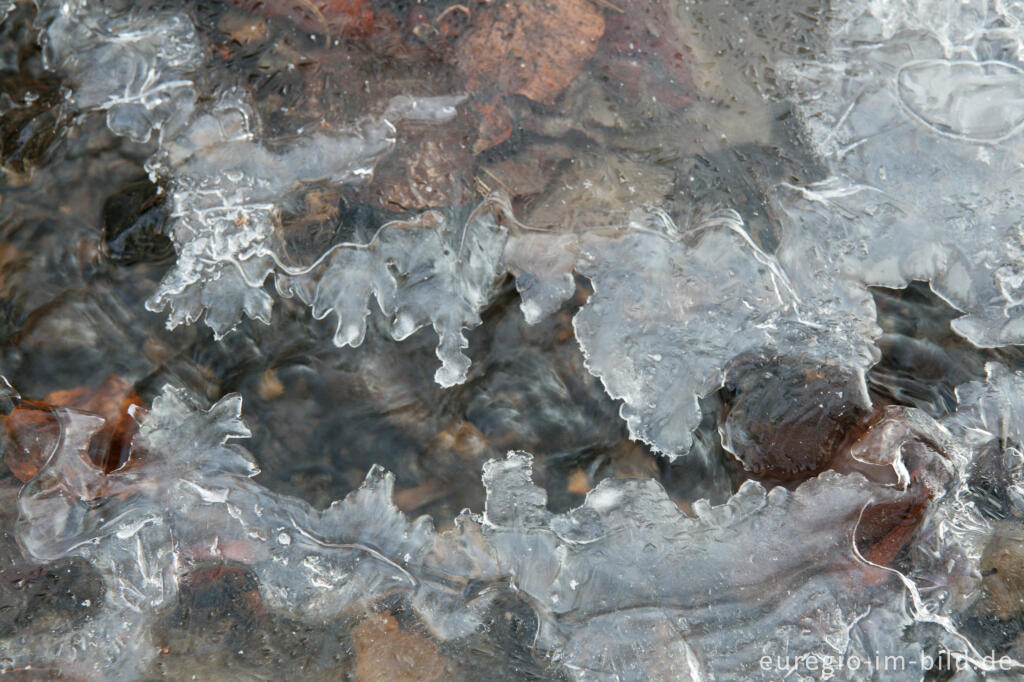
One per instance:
(494, 120)
(34, 429)
(533, 48)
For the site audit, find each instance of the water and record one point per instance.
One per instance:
(631, 299)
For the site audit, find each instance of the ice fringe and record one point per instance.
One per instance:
(673, 307)
(224, 185)
(907, 95)
(625, 586)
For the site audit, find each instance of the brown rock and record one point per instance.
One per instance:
(533, 48)
(386, 653)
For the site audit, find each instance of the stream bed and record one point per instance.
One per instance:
(512, 340)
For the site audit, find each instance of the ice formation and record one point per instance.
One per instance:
(189, 496)
(672, 307)
(905, 95)
(224, 184)
(133, 64)
(224, 187)
(409, 267)
(625, 586)
(990, 420)
(916, 108)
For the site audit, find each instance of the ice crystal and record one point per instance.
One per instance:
(624, 586)
(672, 308)
(436, 269)
(189, 495)
(132, 64)
(224, 184)
(916, 109)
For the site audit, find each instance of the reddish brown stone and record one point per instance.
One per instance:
(339, 18)
(387, 653)
(533, 48)
(642, 54)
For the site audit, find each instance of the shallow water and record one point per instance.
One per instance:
(741, 278)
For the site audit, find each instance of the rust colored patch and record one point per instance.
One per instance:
(642, 55)
(338, 18)
(533, 48)
(386, 653)
(33, 428)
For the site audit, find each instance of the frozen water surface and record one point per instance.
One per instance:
(721, 380)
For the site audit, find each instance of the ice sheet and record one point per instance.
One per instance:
(602, 578)
(915, 107)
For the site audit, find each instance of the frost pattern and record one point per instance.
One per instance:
(189, 496)
(990, 419)
(625, 587)
(224, 184)
(133, 65)
(672, 308)
(434, 269)
(224, 187)
(628, 565)
(916, 107)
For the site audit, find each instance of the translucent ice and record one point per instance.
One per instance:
(990, 420)
(625, 586)
(224, 184)
(916, 108)
(188, 495)
(133, 64)
(631, 588)
(436, 269)
(223, 187)
(672, 308)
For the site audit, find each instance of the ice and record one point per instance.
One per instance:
(134, 65)
(224, 184)
(188, 495)
(435, 269)
(916, 109)
(673, 307)
(990, 421)
(629, 587)
(626, 586)
(223, 187)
